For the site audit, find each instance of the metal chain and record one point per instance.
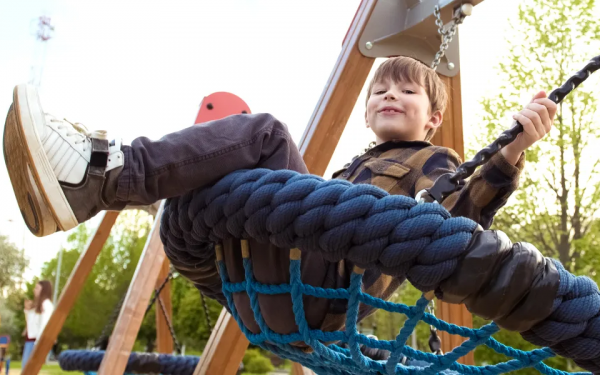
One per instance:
(157, 292)
(448, 183)
(435, 343)
(206, 313)
(447, 36)
(102, 342)
(169, 324)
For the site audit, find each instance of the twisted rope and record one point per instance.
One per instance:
(367, 226)
(138, 363)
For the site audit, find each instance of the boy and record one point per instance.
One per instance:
(64, 177)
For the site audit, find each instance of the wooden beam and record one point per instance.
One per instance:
(225, 348)
(164, 341)
(337, 101)
(69, 294)
(450, 135)
(132, 313)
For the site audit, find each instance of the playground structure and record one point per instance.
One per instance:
(379, 29)
(4, 342)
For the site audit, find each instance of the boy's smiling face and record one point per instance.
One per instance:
(400, 111)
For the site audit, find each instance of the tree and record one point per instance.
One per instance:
(559, 195)
(108, 281)
(12, 265)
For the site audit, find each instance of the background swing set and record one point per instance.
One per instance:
(379, 29)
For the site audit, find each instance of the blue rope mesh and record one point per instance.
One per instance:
(334, 359)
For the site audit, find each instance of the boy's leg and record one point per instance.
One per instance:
(202, 154)
(64, 176)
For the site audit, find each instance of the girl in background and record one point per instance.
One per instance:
(37, 314)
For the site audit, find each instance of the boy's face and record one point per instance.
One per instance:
(400, 111)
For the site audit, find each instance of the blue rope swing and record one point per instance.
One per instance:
(372, 229)
(89, 361)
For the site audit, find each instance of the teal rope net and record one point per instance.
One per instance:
(345, 357)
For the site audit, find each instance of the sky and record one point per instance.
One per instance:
(141, 68)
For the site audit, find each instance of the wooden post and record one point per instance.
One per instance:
(450, 135)
(69, 294)
(132, 313)
(225, 348)
(164, 341)
(341, 92)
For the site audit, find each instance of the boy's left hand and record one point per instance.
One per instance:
(537, 119)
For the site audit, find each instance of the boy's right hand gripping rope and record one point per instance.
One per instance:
(365, 225)
(448, 183)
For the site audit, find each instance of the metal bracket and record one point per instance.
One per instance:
(407, 28)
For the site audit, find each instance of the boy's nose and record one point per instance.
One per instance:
(390, 96)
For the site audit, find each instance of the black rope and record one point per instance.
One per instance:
(448, 183)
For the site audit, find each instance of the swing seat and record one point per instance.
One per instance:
(88, 361)
(272, 206)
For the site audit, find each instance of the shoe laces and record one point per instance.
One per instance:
(77, 131)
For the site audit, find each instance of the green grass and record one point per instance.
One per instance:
(52, 369)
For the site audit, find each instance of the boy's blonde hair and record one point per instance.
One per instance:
(407, 69)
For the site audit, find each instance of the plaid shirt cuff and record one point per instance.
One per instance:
(498, 171)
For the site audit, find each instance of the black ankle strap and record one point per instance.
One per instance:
(99, 158)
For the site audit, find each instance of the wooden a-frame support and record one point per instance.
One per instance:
(227, 345)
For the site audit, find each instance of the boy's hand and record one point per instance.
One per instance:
(537, 119)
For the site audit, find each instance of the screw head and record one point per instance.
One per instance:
(451, 65)
(369, 45)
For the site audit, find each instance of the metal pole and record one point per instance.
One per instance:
(57, 278)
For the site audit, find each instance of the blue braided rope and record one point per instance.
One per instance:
(138, 363)
(372, 229)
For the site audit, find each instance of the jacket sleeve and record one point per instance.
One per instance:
(482, 195)
(512, 284)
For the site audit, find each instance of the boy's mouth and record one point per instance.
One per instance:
(390, 110)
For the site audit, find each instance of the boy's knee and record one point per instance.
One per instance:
(273, 124)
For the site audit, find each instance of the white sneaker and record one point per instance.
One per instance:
(64, 169)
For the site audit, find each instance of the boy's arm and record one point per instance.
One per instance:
(483, 194)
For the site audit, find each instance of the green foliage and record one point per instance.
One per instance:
(190, 320)
(107, 282)
(386, 325)
(256, 363)
(105, 287)
(12, 265)
(559, 195)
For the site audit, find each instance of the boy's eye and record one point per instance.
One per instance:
(380, 92)
(409, 92)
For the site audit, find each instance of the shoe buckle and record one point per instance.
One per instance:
(99, 157)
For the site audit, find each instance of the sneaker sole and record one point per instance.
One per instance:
(28, 111)
(34, 210)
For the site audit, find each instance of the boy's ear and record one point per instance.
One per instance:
(435, 120)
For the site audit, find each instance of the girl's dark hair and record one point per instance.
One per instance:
(45, 293)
